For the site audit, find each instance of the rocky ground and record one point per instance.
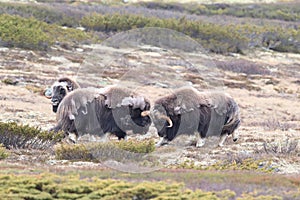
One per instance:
(267, 92)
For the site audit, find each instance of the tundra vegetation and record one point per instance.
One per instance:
(47, 26)
(17, 136)
(42, 24)
(50, 186)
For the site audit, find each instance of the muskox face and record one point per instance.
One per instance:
(130, 113)
(138, 118)
(121, 112)
(166, 117)
(59, 91)
(176, 114)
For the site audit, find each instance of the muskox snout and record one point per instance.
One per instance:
(55, 102)
(161, 134)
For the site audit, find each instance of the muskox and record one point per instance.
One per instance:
(98, 111)
(60, 89)
(188, 111)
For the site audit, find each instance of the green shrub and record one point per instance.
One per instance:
(135, 146)
(3, 152)
(73, 152)
(217, 38)
(122, 151)
(24, 33)
(248, 164)
(214, 37)
(50, 186)
(44, 13)
(30, 33)
(282, 11)
(235, 163)
(13, 135)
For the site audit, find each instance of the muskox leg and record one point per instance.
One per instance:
(222, 140)
(105, 137)
(56, 128)
(162, 141)
(72, 137)
(125, 138)
(200, 140)
(235, 135)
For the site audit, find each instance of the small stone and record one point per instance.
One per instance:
(79, 49)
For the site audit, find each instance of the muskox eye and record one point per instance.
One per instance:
(62, 91)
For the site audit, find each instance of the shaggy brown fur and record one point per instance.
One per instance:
(208, 113)
(97, 111)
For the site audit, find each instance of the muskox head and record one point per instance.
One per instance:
(59, 90)
(123, 111)
(166, 117)
(137, 106)
(182, 112)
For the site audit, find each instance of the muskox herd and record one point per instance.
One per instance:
(116, 110)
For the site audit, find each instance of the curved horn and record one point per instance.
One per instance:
(168, 120)
(145, 113)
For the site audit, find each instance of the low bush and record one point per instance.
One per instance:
(41, 23)
(29, 33)
(45, 13)
(3, 152)
(242, 66)
(50, 186)
(279, 148)
(248, 164)
(136, 146)
(24, 33)
(239, 162)
(282, 11)
(13, 135)
(216, 38)
(118, 150)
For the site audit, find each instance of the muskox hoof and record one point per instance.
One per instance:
(200, 143)
(162, 142)
(235, 136)
(220, 145)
